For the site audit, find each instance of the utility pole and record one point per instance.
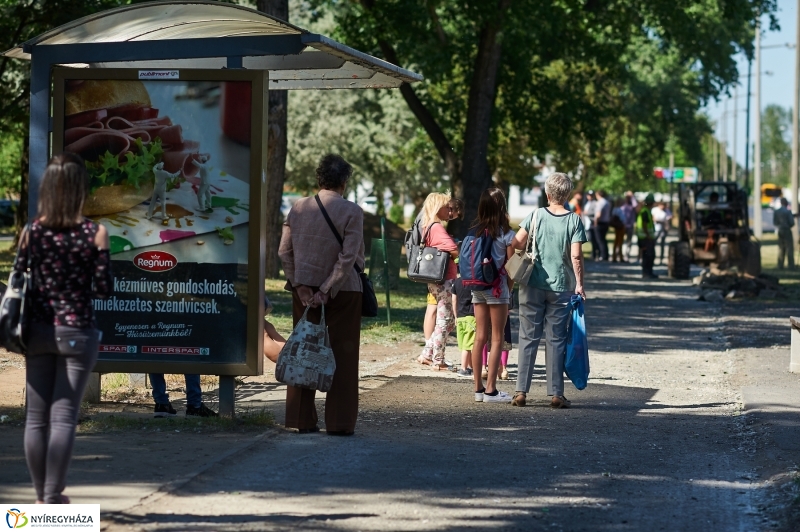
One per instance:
(723, 156)
(757, 221)
(715, 151)
(747, 128)
(796, 129)
(734, 176)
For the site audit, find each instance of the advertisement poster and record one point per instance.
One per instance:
(170, 168)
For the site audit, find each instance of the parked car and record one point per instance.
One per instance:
(8, 211)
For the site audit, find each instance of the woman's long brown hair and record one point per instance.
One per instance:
(492, 213)
(63, 190)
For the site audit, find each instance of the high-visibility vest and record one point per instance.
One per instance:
(645, 220)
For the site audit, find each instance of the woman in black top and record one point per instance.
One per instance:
(70, 266)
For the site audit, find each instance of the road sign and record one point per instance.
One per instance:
(677, 175)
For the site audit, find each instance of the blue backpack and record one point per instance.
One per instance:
(475, 263)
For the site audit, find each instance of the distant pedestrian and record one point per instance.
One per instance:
(646, 237)
(589, 215)
(618, 224)
(602, 219)
(491, 305)
(465, 325)
(629, 217)
(544, 300)
(575, 204)
(321, 271)
(783, 220)
(70, 267)
(662, 217)
(435, 211)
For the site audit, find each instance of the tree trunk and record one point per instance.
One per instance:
(276, 154)
(21, 217)
(475, 173)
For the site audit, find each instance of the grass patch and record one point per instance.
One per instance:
(789, 279)
(246, 420)
(7, 254)
(407, 308)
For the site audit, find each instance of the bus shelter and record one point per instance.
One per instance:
(167, 103)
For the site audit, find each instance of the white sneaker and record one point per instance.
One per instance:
(501, 397)
(479, 397)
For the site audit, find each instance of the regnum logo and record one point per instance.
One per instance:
(16, 518)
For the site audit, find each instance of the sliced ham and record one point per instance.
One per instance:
(74, 133)
(179, 158)
(138, 133)
(92, 146)
(171, 135)
(87, 117)
(117, 122)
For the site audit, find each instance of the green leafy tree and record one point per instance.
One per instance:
(372, 129)
(544, 75)
(776, 152)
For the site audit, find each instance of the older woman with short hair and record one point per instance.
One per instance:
(544, 301)
(320, 272)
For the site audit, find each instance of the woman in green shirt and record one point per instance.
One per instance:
(544, 300)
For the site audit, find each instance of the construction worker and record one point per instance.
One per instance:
(646, 236)
(783, 220)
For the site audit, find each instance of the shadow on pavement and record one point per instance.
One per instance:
(424, 450)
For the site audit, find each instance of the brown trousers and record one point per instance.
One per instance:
(343, 317)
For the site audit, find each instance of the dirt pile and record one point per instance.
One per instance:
(717, 285)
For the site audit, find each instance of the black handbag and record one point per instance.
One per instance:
(14, 307)
(428, 265)
(369, 301)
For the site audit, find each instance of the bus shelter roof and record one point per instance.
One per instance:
(204, 34)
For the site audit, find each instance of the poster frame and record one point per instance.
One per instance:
(254, 359)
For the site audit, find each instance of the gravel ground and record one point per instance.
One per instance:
(658, 441)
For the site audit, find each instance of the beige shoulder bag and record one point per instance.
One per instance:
(520, 265)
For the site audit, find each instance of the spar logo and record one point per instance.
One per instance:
(155, 261)
(16, 518)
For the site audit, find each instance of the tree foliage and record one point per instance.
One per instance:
(372, 129)
(599, 82)
(776, 151)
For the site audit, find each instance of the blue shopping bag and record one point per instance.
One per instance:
(576, 363)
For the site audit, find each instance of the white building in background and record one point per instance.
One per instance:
(522, 200)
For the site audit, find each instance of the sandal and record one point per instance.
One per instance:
(440, 367)
(559, 401)
(519, 399)
(424, 361)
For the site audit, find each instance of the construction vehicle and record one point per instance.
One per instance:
(714, 229)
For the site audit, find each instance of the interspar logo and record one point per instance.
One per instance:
(155, 261)
(15, 518)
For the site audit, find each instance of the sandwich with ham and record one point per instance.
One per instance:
(113, 126)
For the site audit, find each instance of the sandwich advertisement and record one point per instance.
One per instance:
(175, 168)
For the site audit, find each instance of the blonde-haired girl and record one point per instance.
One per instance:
(435, 210)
